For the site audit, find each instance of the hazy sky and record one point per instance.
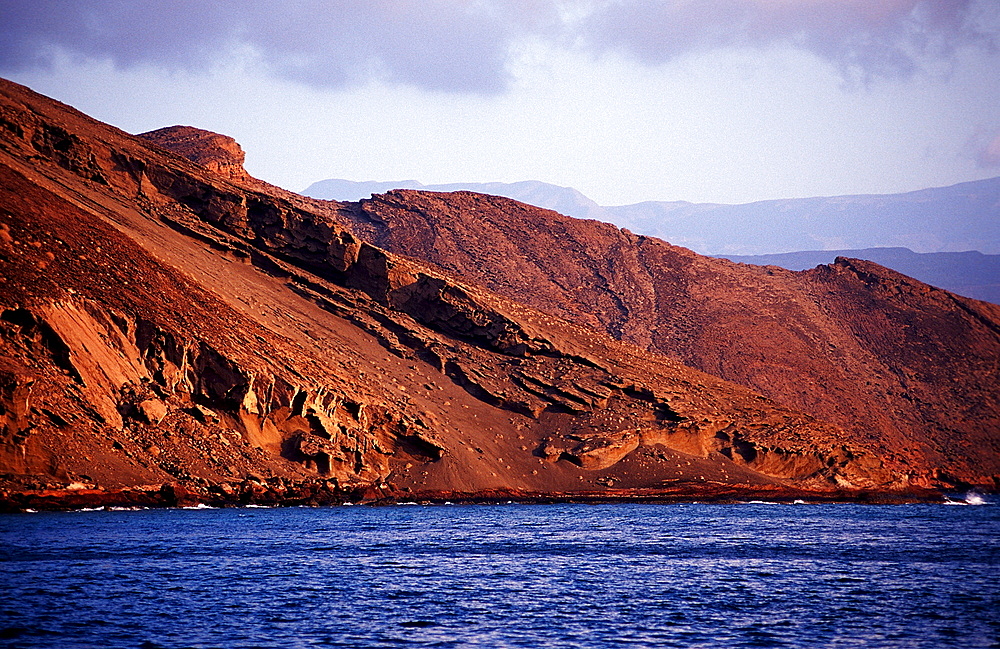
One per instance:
(625, 100)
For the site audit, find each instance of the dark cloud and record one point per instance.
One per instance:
(863, 38)
(451, 45)
(464, 45)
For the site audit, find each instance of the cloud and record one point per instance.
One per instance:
(466, 45)
(984, 147)
(989, 156)
(450, 45)
(863, 38)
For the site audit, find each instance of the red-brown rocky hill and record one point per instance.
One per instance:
(910, 369)
(171, 335)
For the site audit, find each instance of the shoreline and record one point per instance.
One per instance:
(327, 493)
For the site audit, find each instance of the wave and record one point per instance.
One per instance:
(970, 498)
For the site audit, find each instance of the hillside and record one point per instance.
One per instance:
(908, 369)
(961, 220)
(170, 335)
(564, 200)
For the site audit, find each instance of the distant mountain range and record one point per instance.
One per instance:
(938, 235)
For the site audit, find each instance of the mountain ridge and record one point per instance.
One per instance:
(169, 335)
(954, 218)
(969, 273)
(800, 338)
(767, 226)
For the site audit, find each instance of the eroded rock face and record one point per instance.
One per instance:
(16, 383)
(220, 154)
(191, 331)
(906, 368)
(129, 381)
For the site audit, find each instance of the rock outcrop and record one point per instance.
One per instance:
(170, 336)
(218, 153)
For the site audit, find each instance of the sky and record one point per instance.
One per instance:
(726, 101)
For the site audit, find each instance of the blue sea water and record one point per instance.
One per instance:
(681, 575)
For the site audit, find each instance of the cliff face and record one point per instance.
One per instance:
(168, 335)
(904, 368)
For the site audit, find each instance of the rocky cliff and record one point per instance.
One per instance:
(170, 335)
(902, 367)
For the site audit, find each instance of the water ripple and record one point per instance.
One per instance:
(481, 576)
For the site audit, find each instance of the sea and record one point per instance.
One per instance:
(505, 575)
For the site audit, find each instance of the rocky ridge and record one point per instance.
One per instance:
(902, 367)
(172, 336)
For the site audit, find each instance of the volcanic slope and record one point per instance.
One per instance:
(906, 369)
(170, 335)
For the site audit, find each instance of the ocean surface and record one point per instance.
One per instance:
(682, 575)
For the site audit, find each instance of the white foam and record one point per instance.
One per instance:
(973, 498)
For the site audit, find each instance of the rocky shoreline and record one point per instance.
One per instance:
(321, 492)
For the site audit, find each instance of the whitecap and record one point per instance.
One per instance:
(975, 498)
